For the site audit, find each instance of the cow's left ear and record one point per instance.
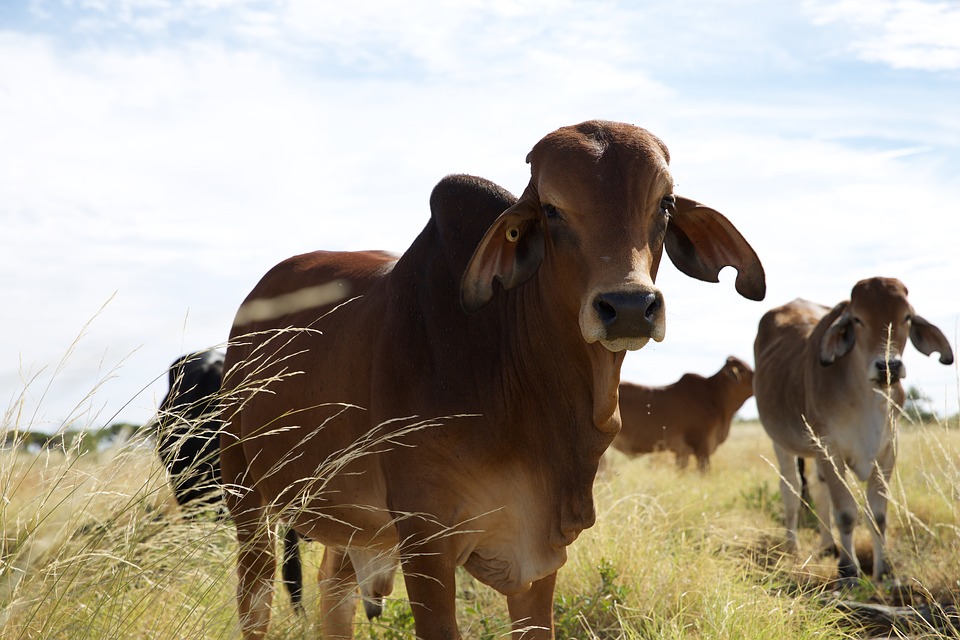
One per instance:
(927, 338)
(701, 241)
(511, 251)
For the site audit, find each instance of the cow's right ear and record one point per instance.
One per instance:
(511, 251)
(838, 339)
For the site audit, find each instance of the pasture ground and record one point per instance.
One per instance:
(93, 546)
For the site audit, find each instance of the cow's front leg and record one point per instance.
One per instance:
(532, 611)
(845, 513)
(878, 484)
(429, 573)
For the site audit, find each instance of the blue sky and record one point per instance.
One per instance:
(157, 157)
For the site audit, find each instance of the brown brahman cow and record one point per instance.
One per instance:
(450, 406)
(827, 386)
(690, 416)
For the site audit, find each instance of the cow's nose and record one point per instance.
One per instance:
(626, 314)
(889, 371)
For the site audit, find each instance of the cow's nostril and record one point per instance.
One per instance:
(654, 307)
(606, 311)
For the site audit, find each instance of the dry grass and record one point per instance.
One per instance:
(93, 546)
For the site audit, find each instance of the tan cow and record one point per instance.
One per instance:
(455, 401)
(827, 386)
(689, 417)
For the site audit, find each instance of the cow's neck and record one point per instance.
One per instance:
(569, 386)
(521, 354)
(563, 394)
(547, 345)
(548, 400)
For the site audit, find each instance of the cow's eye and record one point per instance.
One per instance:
(668, 205)
(551, 211)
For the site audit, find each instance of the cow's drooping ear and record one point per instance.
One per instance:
(838, 339)
(927, 338)
(701, 241)
(511, 251)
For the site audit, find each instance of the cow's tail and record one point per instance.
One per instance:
(292, 569)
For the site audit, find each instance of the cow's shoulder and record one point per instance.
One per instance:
(798, 312)
(791, 322)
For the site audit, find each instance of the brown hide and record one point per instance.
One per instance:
(376, 415)
(827, 386)
(690, 416)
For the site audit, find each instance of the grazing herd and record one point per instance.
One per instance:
(450, 406)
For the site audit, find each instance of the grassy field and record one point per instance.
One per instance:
(93, 546)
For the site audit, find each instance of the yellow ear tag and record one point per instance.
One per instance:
(513, 234)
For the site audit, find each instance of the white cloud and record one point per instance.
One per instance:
(174, 170)
(904, 34)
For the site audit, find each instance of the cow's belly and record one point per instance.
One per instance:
(340, 514)
(327, 499)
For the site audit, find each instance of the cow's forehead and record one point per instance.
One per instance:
(597, 139)
(880, 296)
(611, 157)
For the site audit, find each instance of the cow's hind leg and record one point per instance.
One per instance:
(790, 491)
(338, 594)
(532, 611)
(256, 561)
(256, 564)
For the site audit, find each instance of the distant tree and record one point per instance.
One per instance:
(116, 432)
(918, 406)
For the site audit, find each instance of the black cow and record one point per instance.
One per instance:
(188, 442)
(188, 429)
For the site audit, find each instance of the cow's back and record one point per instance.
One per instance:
(657, 417)
(780, 361)
(312, 312)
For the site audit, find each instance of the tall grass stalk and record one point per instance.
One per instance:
(94, 546)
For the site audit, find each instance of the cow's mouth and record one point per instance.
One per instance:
(625, 344)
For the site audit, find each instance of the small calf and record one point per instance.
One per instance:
(828, 386)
